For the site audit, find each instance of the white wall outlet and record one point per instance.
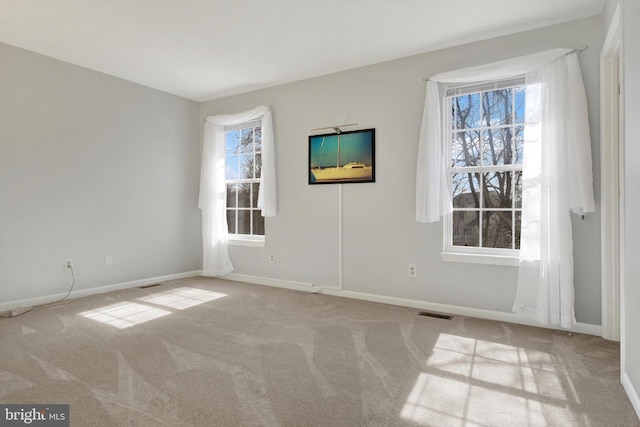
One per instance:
(108, 260)
(272, 258)
(413, 270)
(68, 264)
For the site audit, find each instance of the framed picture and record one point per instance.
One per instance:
(339, 158)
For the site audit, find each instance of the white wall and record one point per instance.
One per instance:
(92, 165)
(381, 236)
(631, 88)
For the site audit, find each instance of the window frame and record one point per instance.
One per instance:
(236, 239)
(477, 254)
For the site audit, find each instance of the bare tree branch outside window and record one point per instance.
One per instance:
(243, 169)
(487, 130)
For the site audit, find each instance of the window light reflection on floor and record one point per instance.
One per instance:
(181, 298)
(125, 314)
(469, 376)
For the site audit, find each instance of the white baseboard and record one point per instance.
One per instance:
(631, 392)
(276, 283)
(583, 328)
(47, 299)
(307, 287)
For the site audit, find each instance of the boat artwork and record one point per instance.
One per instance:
(345, 157)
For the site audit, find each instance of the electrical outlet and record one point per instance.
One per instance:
(272, 258)
(108, 260)
(68, 264)
(413, 271)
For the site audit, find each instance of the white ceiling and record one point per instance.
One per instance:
(206, 49)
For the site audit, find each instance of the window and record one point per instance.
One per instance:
(516, 210)
(242, 176)
(485, 142)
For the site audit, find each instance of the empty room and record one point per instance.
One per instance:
(319, 213)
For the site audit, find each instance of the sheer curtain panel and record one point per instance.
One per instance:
(213, 189)
(557, 180)
(557, 173)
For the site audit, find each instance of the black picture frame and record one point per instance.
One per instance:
(342, 158)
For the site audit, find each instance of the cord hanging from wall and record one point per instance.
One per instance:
(338, 130)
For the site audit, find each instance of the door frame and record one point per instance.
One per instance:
(612, 181)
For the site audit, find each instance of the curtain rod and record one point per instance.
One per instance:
(580, 50)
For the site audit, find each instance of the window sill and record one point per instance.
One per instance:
(246, 242)
(511, 261)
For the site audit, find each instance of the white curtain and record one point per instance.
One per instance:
(557, 174)
(213, 189)
(433, 195)
(556, 180)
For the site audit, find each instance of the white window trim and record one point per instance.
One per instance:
(475, 255)
(255, 240)
(246, 240)
(510, 261)
(468, 254)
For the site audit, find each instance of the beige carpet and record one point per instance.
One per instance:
(209, 352)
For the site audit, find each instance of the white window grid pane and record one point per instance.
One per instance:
(512, 168)
(482, 210)
(251, 209)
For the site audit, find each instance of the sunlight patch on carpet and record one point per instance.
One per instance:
(125, 314)
(181, 298)
(455, 402)
(473, 381)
